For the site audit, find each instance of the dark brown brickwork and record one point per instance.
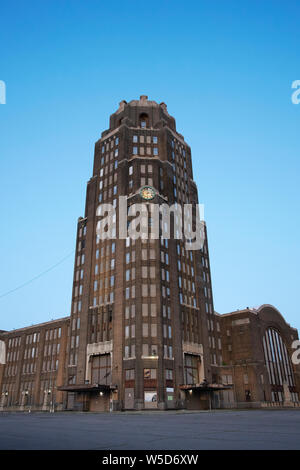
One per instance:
(152, 316)
(244, 358)
(34, 366)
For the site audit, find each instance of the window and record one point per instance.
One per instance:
(149, 373)
(277, 361)
(101, 369)
(152, 272)
(153, 310)
(145, 310)
(145, 329)
(129, 374)
(143, 120)
(191, 369)
(144, 271)
(152, 290)
(154, 330)
(227, 379)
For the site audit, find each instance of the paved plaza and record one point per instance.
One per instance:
(249, 429)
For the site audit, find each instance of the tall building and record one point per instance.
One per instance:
(143, 332)
(141, 308)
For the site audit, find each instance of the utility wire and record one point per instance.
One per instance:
(38, 276)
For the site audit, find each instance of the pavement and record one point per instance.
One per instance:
(153, 430)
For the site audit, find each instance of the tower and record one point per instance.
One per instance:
(142, 317)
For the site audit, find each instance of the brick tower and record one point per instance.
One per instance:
(142, 325)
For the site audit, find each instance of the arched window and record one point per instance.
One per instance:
(277, 362)
(144, 120)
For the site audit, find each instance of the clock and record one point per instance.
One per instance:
(148, 193)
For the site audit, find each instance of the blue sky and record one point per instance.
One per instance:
(225, 70)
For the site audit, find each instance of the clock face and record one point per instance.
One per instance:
(147, 193)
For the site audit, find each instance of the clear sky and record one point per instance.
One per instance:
(225, 70)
